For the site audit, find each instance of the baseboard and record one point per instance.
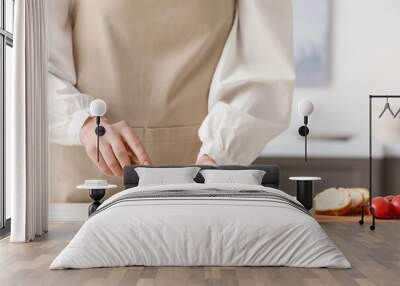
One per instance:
(63, 212)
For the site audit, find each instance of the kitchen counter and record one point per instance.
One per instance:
(291, 146)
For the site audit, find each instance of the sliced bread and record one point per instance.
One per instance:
(333, 201)
(365, 194)
(357, 200)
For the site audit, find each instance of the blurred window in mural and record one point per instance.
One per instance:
(312, 32)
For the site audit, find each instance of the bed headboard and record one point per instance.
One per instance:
(270, 179)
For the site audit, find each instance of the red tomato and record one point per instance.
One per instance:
(396, 205)
(389, 198)
(383, 208)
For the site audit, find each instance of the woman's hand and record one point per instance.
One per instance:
(205, 160)
(119, 146)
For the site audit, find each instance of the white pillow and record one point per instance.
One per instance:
(163, 176)
(248, 177)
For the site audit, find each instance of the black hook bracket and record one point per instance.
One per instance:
(100, 131)
(304, 131)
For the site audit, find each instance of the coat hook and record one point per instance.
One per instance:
(387, 108)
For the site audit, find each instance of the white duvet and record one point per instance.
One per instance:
(200, 231)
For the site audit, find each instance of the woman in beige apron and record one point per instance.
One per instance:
(189, 77)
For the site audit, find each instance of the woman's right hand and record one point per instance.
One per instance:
(119, 146)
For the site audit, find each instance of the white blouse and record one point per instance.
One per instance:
(250, 95)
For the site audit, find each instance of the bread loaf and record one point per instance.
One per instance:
(341, 201)
(333, 201)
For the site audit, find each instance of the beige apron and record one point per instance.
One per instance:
(152, 61)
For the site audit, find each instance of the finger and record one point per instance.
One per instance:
(102, 165)
(111, 160)
(120, 151)
(206, 160)
(133, 158)
(136, 146)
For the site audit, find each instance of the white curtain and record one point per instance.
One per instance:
(26, 119)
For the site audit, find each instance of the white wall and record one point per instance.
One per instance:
(365, 59)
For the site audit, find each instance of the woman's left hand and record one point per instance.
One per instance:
(205, 160)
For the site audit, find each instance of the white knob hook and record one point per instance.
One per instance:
(305, 107)
(98, 107)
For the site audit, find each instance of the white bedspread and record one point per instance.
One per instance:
(200, 231)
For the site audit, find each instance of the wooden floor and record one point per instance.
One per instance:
(375, 257)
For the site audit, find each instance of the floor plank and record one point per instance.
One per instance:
(375, 257)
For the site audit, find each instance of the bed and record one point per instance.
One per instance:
(198, 224)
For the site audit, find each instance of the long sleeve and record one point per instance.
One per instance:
(251, 92)
(68, 108)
